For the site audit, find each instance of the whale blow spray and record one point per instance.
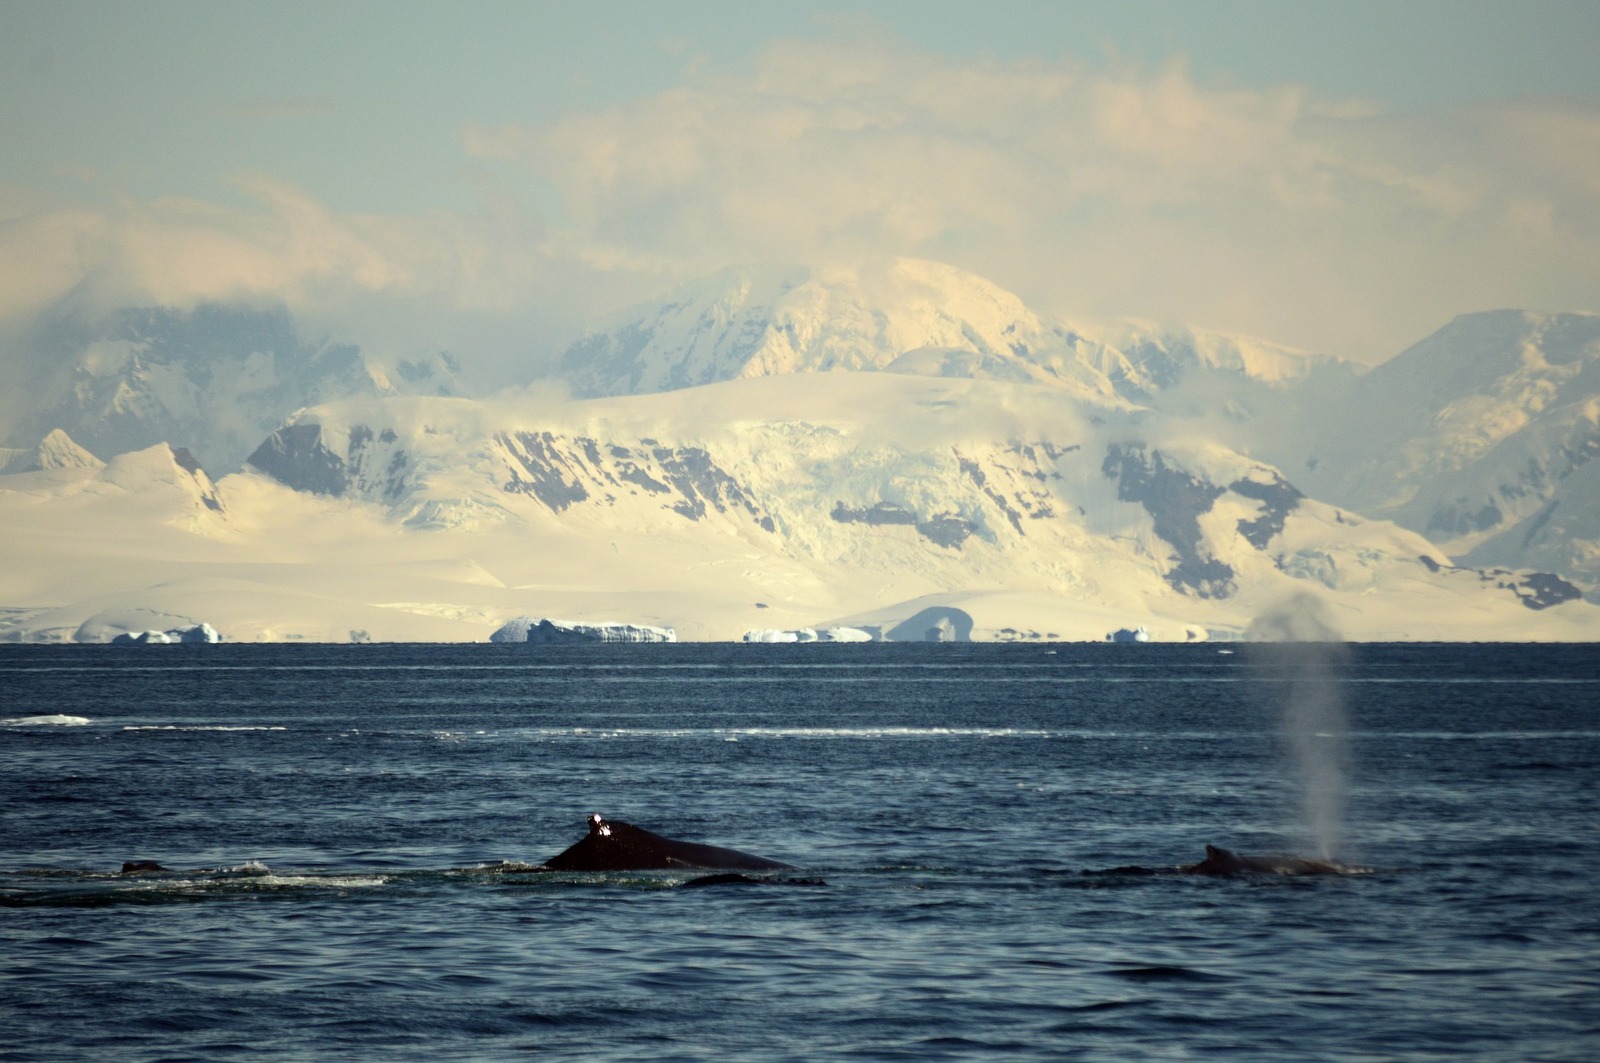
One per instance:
(1306, 656)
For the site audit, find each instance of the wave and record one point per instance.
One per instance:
(52, 720)
(735, 733)
(202, 727)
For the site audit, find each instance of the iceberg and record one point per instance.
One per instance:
(775, 635)
(806, 634)
(142, 638)
(197, 633)
(544, 631)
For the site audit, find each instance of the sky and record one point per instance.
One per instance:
(495, 177)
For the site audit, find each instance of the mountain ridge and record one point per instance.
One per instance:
(1197, 538)
(867, 445)
(906, 315)
(214, 379)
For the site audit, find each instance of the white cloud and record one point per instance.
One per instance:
(1095, 191)
(1107, 191)
(492, 286)
(182, 251)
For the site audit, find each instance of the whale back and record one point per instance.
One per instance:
(1221, 861)
(141, 867)
(612, 845)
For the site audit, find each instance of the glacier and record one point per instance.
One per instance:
(898, 449)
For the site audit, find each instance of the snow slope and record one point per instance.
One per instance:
(902, 447)
(1480, 436)
(1011, 511)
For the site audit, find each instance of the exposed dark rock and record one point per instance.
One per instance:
(975, 473)
(1541, 590)
(1159, 365)
(1279, 498)
(185, 460)
(297, 455)
(439, 376)
(294, 456)
(949, 530)
(550, 477)
(633, 474)
(699, 480)
(1030, 452)
(879, 513)
(208, 493)
(1175, 501)
(1536, 590)
(562, 471)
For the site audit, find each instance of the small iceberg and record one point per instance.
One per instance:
(197, 633)
(806, 634)
(543, 631)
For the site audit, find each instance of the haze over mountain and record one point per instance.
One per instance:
(214, 379)
(902, 446)
(1482, 437)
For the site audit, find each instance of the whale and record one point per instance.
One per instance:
(1224, 863)
(612, 845)
(1220, 862)
(141, 867)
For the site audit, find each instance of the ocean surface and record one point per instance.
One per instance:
(350, 831)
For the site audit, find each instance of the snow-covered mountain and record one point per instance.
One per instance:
(903, 448)
(862, 497)
(55, 451)
(1470, 437)
(1482, 437)
(905, 316)
(214, 380)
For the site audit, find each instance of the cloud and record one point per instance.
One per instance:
(824, 145)
(492, 285)
(1092, 190)
(1107, 190)
(284, 245)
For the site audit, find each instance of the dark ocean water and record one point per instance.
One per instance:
(337, 815)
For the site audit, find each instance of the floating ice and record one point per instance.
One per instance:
(542, 630)
(806, 634)
(196, 633)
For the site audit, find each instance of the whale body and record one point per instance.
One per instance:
(1221, 862)
(141, 867)
(613, 845)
